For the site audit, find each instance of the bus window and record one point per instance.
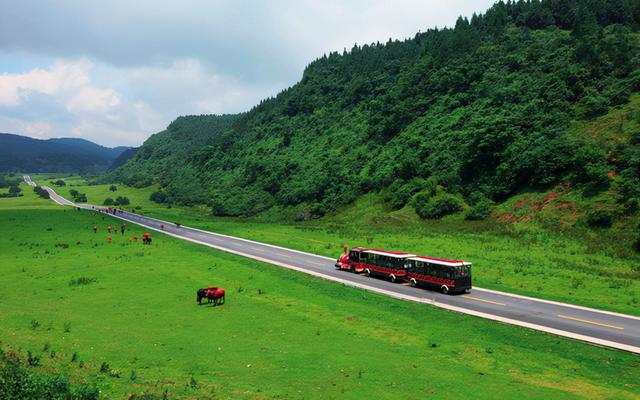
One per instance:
(448, 272)
(354, 256)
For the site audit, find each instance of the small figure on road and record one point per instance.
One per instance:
(162, 226)
(178, 224)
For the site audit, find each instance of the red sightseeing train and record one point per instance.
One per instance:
(448, 276)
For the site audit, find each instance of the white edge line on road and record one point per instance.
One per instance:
(542, 328)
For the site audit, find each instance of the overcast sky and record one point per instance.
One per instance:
(115, 72)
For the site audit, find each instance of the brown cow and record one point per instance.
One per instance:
(216, 295)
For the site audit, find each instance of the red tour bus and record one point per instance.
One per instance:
(437, 273)
(446, 275)
(374, 262)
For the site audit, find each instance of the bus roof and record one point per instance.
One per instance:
(441, 261)
(393, 254)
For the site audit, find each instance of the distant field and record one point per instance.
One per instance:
(281, 334)
(519, 259)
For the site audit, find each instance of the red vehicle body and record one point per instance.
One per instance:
(375, 262)
(437, 273)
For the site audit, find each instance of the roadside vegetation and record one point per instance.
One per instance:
(122, 317)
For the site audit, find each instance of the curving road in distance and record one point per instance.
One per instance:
(598, 327)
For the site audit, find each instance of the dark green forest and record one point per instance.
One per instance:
(450, 119)
(72, 155)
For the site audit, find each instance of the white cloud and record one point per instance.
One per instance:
(60, 77)
(93, 99)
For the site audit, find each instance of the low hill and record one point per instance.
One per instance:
(451, 120)
(124, 156)
(166, 157)
(25, 154)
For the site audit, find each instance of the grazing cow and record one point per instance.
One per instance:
(213, 295)
(146, 238)
(202, 293)
(216, 295)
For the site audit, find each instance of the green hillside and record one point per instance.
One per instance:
(452, 120)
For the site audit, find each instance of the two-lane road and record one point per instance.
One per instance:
(590, 325)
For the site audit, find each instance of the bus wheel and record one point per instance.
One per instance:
(367, 272)
(392, 278)
(413, 282)
(352, 269)
(445, 289)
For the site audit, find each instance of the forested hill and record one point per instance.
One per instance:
(449, 119)
(25, 154)
(166, 157)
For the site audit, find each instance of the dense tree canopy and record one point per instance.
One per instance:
(481, 109)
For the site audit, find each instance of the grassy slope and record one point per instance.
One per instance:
(518, 257)
(301, 338)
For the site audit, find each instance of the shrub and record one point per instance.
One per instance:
(479, 211)
(59, 182)
(41, 192)
(438, 206)
(600, 219)
(73, 193)
(108, 201)
(80, 198)
(158, 197)
(33, 360)
(400, 192)
(14, 190)
(113, 188)
(83, 280)
(122, 201)
(593, 104)
(19, 382)
(104, 367)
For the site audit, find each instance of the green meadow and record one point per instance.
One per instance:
(522, 257)
(83, 305)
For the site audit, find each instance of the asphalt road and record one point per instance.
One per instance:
(589, 325)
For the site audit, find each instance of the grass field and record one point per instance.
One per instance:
(281, 334)
(519, 258)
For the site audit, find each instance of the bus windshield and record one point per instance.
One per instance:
(463, 271)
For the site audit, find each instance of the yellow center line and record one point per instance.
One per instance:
(484, 300)
(256, 249)
(590, 322)
(317, 263)
(283, 255)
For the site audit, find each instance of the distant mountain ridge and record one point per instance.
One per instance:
(25, 154)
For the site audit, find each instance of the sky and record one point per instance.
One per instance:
(115, 72)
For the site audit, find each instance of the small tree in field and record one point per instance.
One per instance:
(113, 188)
(122, 201)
